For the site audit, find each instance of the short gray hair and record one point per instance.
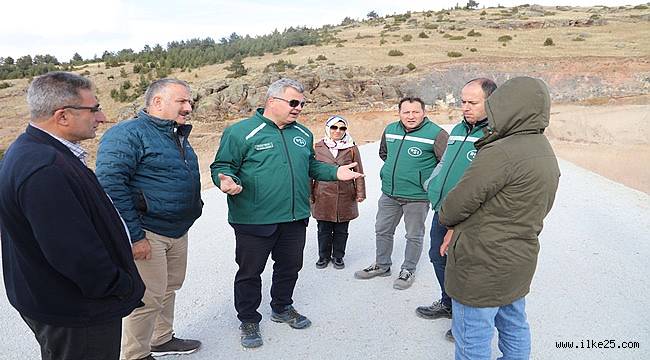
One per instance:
(277, 87)
(159, 86)
(54, 90)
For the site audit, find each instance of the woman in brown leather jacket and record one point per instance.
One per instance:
(334, 203)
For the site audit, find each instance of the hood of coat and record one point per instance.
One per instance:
(520, 105)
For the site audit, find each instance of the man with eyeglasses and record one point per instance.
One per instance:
(151, 172)
(410, 148)
(66, 256)
(264, 164)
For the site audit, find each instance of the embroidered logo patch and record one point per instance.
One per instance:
(264, 146)
(299, 141)
(415, 151)
(471, 155)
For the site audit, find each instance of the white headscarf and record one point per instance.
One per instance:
(336, 145)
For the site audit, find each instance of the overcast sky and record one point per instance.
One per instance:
(63, 27)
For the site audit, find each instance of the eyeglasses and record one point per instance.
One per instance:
(342, 128)
(93, 109)
(293, 103)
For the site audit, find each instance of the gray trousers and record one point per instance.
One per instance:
(389, 214)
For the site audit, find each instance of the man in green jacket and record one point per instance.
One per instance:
(497, 211)
(456, 159)
(410, 148)
(264, 164)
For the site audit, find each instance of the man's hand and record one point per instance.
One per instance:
(344, 172)
(228, 185)
(446, 242)
(141, 250)
(360, 199)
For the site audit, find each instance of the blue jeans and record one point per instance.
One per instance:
(473, 329)
(437, 235)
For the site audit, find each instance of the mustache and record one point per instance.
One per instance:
(184, 112)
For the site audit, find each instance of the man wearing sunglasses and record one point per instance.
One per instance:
(264, 164)
(66, 256)
(149, 168)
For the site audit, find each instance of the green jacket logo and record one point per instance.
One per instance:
(471, 155)
(415, 151)
(299, 141)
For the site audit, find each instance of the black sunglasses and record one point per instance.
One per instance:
(93, 109)
(293, 103)
(342, 128)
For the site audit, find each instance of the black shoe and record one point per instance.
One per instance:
(148, 357)
(449, 336)
(437, 310)
(176, 346)
(291, 317)
(338, 263)
(322, 263)
(250, 335)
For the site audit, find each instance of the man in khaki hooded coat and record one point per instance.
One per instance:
(497, 211)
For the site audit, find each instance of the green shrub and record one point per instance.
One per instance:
(407, 38)
(578, 38)
(123, 73)
(321, 57)
(279, 66)
(410, 66)
(310, 61)
(446, 36)
(504, 38)
(430, 26)
(423, 35)
(339, 45)
(640, 7)
(4, 85)
(291, 52)
(382, 41)
(473, 50)
(483, 13)
(454, 54)
(548, 42)
(395, 53)
(473, 33)
(457, 37)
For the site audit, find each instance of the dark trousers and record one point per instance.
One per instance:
(332, 237)
(437, 234)
(285, 242)
(97, 342)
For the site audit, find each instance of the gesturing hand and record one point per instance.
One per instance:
(141, 249)
(228, 185)
(344, 172)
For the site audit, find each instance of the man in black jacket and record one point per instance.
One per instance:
(66, 255)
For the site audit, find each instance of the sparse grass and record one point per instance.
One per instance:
(395, 53)
(4, 85)
(431, 26)
(504, 38)
(407, 37)
(279, 66)
(474, 33)
(457, 37)
(410, 66)
(423, 35)
(454, 54)
(473, 50)
(640, 7)
(321, 57)
(549, 42)
(291, 52)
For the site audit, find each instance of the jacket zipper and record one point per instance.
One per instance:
(293, 198)
(444, 181)
(399, 149)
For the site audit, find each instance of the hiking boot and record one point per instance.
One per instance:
(322, 263)
(250, 335)
(291, 317)
(372, 271)
(176, 346)
(449, 336)
(338, 263)
(437, 310)
(404, 280)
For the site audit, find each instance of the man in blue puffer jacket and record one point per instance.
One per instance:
(151, 173)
